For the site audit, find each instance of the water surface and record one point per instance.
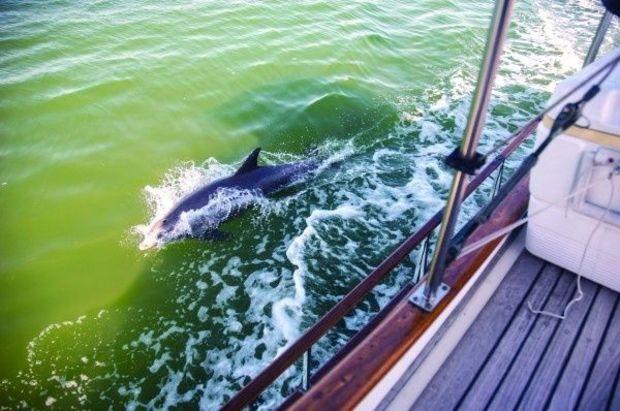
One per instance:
(109, 111)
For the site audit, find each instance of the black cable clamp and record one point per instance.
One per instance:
(567, 117)
(571, 112)
(467, 165)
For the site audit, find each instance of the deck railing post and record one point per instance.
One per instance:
(305, 378)
(429, 295)
(497, 184)
(423, 259)
(598, 38)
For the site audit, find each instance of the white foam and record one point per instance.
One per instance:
(159, 362)
(287, 311)
(202, 314)
(176, 184)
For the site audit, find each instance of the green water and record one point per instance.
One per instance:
(109, 111)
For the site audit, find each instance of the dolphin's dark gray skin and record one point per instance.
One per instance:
(249, 178)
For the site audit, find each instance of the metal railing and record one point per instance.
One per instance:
(428, 296)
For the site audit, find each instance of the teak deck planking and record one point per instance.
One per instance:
(537, 362)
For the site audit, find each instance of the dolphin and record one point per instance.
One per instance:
(199, 214)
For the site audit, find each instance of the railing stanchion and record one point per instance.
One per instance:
(429, 295)
(497, 184)
(422, 260)
(305, 378)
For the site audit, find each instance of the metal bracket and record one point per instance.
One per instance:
(418, 298)
(469, 166)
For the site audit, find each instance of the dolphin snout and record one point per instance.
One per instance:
(155, 232)
(156, 228)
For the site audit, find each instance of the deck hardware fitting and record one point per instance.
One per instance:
(420, 300)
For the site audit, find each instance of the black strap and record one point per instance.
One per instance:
(467, 165)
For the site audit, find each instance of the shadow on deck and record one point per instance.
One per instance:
(513, 359)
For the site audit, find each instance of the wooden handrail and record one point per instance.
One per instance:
(282, 362)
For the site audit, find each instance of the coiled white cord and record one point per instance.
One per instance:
(499, 233)
(579, 295)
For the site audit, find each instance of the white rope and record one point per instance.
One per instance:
(482, 242)
(583, 257)
(503, 231)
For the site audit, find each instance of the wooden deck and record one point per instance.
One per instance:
(512, 359)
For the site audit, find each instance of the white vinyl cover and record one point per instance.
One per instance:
(569, 165)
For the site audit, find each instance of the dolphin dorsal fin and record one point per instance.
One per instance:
(250, 163)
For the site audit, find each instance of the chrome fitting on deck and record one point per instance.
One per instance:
(420, 299)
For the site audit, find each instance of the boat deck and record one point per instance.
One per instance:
(512, 359)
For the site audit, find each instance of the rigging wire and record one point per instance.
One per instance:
(499, 233)
(579, 295)
(611, 65)
(503, 231)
